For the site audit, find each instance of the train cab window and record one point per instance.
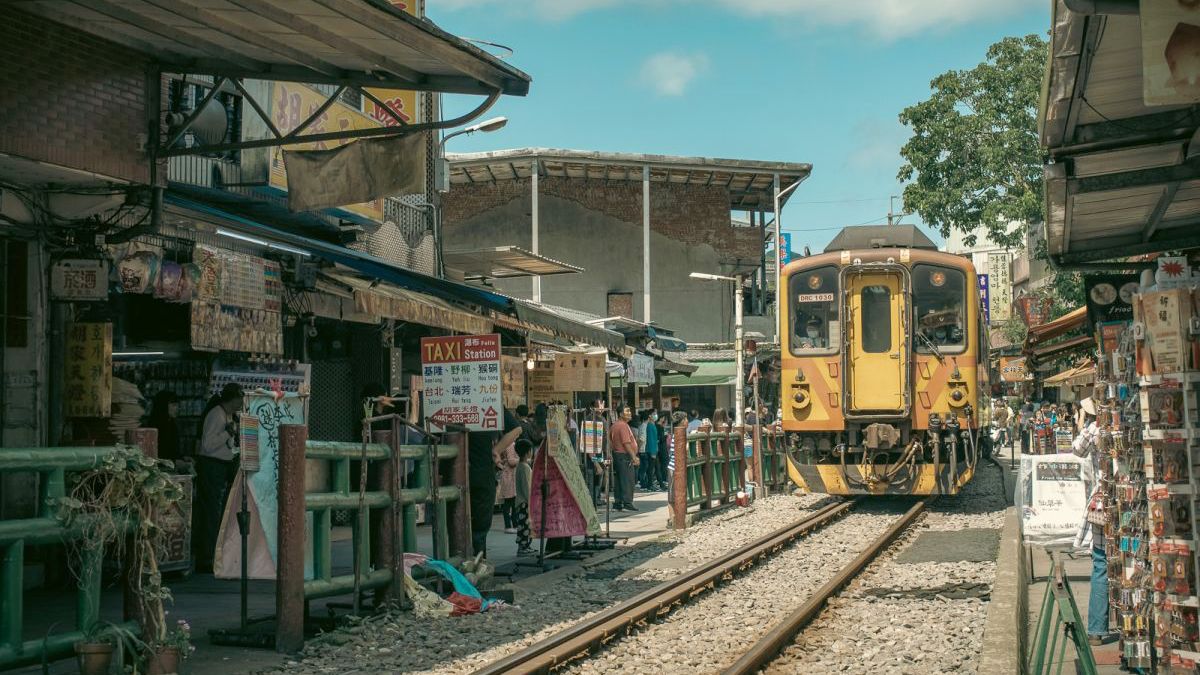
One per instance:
(940, 308)
(876, 302)
(814, 311)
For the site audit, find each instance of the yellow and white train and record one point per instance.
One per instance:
(885, 366)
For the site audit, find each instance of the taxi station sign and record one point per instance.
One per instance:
(462, 382)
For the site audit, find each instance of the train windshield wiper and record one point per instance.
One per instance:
(932, 347)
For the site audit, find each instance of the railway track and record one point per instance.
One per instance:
(575, 643)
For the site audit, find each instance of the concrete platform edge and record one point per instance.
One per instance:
(1004, 643)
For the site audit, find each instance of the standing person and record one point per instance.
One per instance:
(483, 455)
(693, 424)
(164, 414)
(625, 459)
(216, 468)
(1026, 425)
(639, 431)
(596, 463)
(507, 466)
(523, 481)
(653, 435)
(664, 446)
(1000, 417)
(1084, 445)
(720, 421)
(751, 417)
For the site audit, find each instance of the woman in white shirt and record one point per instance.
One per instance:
(216, 468)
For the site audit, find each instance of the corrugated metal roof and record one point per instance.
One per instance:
(504, 262)
(750, 182)
(360, 42)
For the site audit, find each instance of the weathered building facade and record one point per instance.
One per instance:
(638, 225)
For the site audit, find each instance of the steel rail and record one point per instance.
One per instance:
(618, 619)
(784, 633)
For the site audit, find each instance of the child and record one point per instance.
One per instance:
(524, 478)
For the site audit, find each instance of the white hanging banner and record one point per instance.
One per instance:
(641, 369)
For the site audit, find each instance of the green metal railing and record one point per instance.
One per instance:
(1060, 625)
(51, 466)
(713, 465)
(773, 454)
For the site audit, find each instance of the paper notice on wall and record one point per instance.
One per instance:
(1052, 494)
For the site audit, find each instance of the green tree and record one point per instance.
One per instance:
(974, 157)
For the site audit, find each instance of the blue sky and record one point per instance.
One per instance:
(817, 81)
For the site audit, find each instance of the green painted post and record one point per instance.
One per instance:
(87, 608)
(12, 599)
(53, 487)
(341, 475)
(322, 544)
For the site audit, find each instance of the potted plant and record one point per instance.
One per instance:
(94, 652)
(117, 505)
(166, 655)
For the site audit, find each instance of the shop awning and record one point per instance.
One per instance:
(708, 374)
(1122, 177)
(1059, 349)
(372, 266)
(1080, 374)
(669, 366)
(556, 323)
(369, 43)
(504, 262)
(1060, 326)
(388, 301)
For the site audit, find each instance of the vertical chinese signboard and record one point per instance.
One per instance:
(88, 380)
(1000, 281)
(461, 381)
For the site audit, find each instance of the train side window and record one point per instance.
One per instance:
(939, 305)
(876, 319)
(814, 311)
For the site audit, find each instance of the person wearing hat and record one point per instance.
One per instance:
(216, 468)
(750, 418)
(1085, 446)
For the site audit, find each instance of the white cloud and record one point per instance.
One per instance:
(884, 19)
(670, 73)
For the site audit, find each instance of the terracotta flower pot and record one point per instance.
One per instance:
(163, 661)
(94, 657)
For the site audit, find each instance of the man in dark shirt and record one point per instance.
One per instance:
(483, 457)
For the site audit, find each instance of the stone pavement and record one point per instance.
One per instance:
(209, 603)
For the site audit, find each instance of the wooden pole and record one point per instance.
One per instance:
(289, 589)
(679, 479)
(460, 520)
(385, 535)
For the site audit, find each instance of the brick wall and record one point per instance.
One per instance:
(687, 213)
(72, 99)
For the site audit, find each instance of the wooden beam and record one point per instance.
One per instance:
(1164, 202)
(1189, 170)
(187, 10)
(167, 32)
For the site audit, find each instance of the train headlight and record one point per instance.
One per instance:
(938, 279)
(956, 395)
(814, 281)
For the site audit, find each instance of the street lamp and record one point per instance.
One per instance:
(738, 345)
(442, 180)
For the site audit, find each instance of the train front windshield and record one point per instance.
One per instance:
(815, 327)
(939, 295)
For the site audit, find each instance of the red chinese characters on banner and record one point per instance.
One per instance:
(462, 382)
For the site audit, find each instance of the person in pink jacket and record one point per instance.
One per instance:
(506, 463)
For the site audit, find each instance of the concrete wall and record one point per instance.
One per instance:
(610, 250)
(597, 225)
(71, 99)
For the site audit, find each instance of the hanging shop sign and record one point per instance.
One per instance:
(512, 380)
(1166, 316)
(1172, 271)
(999, 267)
(461, 381)
(985, 298)
(260, 420)
(541, 384)
(579, 372)
(87, 381)
(1013, 369)
(1110, 297)
(1032, 310)
(641, 369)
(237, 304)
(1170, 73)
(79, 280)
